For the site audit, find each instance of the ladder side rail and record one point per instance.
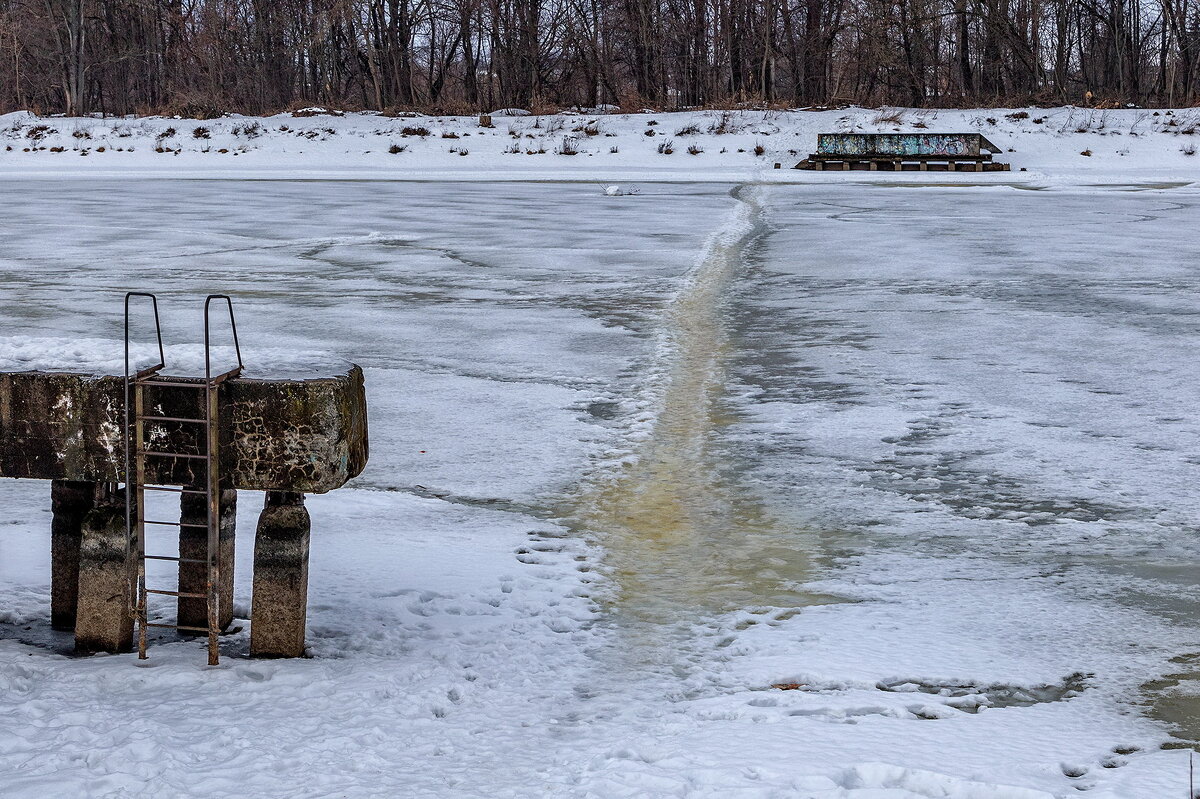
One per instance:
(213, 488)
(134, 462)
(137, 490)
(213, 482)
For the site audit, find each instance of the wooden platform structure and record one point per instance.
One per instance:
(916, 152)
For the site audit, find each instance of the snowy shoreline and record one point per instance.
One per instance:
(1044, 146)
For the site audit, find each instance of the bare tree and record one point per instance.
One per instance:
(206, 56)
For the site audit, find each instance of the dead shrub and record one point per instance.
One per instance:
(888, 116)
(722, 124)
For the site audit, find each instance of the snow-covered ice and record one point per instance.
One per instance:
(747, 483)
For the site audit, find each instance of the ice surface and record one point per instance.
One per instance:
(939, 435)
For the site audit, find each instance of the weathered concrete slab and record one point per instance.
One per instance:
(285, 435)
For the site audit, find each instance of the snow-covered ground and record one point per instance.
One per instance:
(753, 483)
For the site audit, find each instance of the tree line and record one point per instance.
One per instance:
(204, 57)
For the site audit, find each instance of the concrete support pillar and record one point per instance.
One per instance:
(70, 501)
(278, 611)
(193, 543)
(104, 616)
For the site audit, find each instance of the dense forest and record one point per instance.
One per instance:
(204, 57)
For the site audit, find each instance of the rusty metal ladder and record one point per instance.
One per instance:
(137, 451)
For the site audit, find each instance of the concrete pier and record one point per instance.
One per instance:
(287, 436)
(70, 501)
(193, 543)
(279, 608)
(104, 610)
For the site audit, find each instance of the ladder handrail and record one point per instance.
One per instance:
(207, 346)
(162, 360)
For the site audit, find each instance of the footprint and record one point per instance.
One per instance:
(254, 675)
(1073, 770)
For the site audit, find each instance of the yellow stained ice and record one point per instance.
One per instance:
(679, 528)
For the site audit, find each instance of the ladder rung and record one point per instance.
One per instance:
(174, 524)
(148, 418)
(172, 490)
(171, 385)
(184, 594)
(171, 454)
(172, 557)
(176, 627)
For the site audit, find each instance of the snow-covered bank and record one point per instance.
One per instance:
(1051, 146)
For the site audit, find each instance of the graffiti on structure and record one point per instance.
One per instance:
(898, 143)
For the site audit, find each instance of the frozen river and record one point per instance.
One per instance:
(926, 457)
